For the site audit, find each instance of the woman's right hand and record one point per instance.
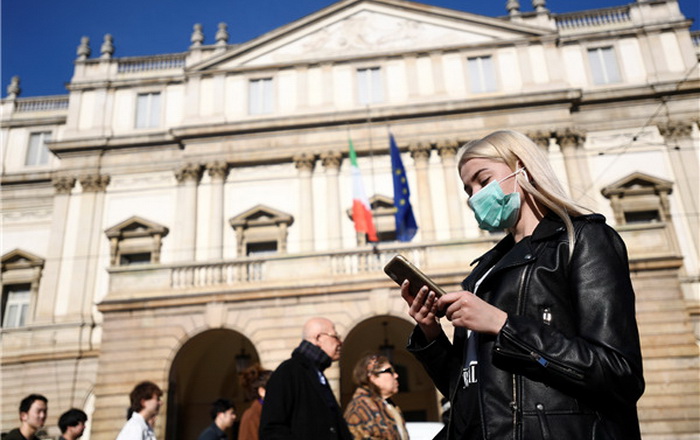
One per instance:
(423, 309)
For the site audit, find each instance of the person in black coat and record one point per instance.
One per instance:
(299, 403)
(546, 344)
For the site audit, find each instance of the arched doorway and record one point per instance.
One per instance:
(206, 368)
(385, 334)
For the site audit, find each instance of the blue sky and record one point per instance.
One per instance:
(40, 37)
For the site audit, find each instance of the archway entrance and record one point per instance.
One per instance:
(385, 334)
(206, 368)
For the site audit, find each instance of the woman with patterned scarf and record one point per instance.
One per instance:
(371, 414)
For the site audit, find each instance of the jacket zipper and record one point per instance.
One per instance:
(514, 404)
(547, 363)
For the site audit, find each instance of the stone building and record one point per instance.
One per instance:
(179, 216)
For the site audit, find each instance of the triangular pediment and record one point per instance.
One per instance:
(354, 28)
(136, 227)
(638, 183)
(18, 258)
(261, 215)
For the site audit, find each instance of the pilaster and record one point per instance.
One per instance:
(218, 170)
(48, 288)
(331, 161)
(305, 163)
(447, 151)
(420, 152)
(188, 177)
(683, 155)
(575, 161)
(78, 299)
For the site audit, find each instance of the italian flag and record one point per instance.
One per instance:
(361, 212)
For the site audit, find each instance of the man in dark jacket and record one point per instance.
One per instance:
(299, 403)
(32, 416)
(223, 414)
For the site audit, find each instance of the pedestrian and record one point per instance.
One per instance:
(299, 402)
(72, 424)
(546, 344)
(145, 404)
(223, 415)
(254, 381)
(33, 410)
(371, 414)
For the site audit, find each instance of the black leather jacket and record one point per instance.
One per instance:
(567, 364)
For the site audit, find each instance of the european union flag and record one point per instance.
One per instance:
(406, 226)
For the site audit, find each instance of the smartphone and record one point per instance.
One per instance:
(400, 269)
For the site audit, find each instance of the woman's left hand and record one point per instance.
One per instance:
(464, 309)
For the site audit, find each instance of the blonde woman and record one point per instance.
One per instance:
(546, 344)
(371, 414)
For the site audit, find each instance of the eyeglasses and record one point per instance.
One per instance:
(386, 370)
(336, 336)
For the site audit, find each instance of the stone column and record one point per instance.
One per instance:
(421, 156)
(188, 177)
(331, 162)
(571, 144)
(78, 299)
(685, 163)
(218, 170)
(48, 288)
(305, 164)
(447, 151)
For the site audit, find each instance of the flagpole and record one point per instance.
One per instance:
(375, 249)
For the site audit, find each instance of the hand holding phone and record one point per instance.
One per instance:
(400, 269)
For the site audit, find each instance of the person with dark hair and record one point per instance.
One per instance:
(32, 415)
(253, 380)
(72, 424)
(145, 404)
(371, 413)
(545, 342)
(299, 402)
(223, 414)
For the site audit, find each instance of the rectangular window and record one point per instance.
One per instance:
(604, 65)
(261, 248)
(134, 259)
(147, 110)
(37, 151)
(15, 305)
(369, 86)
(260, 96)
(481, 74)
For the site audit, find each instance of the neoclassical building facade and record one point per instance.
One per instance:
(177, 217)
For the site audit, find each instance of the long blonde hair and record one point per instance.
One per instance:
(511, 147)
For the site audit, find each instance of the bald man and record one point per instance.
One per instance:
(299, 403)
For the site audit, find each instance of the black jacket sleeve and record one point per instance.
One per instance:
(602, 360)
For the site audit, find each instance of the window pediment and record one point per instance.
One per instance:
(19, 259)
(638, 184)
(261, 215)
(136, 227)
(135, 237)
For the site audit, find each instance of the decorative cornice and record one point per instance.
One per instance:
(94, 182)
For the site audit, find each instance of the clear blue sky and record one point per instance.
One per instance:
(40, 37)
